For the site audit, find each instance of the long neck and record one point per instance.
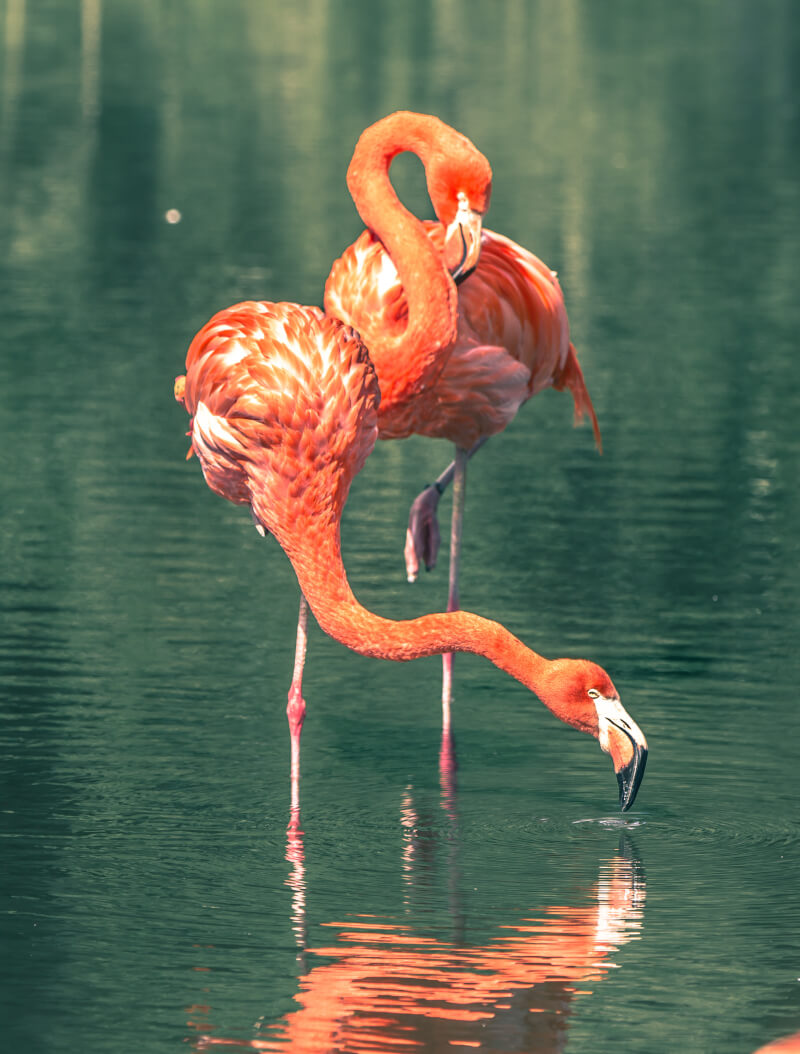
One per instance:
(430, 291)
(316, 557)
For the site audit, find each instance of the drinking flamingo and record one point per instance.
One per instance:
(463, 379)
(284, 405)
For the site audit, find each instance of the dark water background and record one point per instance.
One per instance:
(648, 152)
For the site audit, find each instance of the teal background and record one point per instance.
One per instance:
(649, 153)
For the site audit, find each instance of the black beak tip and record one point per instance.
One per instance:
(460, 275)
(630, 777)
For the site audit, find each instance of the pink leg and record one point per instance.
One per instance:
(296, 711)
(456, 529)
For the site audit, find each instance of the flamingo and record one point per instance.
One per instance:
(511, 335)
(284, 406)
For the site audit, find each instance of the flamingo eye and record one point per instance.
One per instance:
(593, 693)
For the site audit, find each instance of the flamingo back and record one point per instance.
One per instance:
(284, 411)
(513, 342)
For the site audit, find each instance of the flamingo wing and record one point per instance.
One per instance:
(515, 301)
(513, 338)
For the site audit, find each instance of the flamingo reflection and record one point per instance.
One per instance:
(381, 985)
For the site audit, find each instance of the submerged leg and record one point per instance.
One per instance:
(296, 881)
(296, 711)
(422, 536)
(448, 767)
(456, 530)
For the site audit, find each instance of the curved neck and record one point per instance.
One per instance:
(430, 291)
(317, 561)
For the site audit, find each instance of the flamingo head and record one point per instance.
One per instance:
(583, 695)
(460, 187)
(462, 241)
(459, 179)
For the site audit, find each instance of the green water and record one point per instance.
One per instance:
(150, 900)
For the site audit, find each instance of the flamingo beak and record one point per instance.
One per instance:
(630, 776)
(462, 241)
(622, 738)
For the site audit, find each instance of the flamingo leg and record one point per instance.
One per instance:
(422, 536)
(453, 603)
(296, 711)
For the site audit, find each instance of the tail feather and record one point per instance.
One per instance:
(571, 377)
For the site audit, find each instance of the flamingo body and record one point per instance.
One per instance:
(512, 339)
(284, 404)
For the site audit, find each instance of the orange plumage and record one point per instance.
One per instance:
(512, 339)
(284, 410)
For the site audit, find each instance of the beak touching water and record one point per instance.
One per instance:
(622, 738)
(462, 241)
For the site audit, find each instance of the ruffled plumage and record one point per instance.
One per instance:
(512, 340)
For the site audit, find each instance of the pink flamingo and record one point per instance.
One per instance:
(284, 404)
(460, 378)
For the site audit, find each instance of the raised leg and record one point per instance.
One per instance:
(423, 537)
(296, 711)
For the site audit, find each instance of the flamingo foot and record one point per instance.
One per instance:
(423, 537)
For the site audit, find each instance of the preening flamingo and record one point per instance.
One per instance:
(461, 380)
(284, 404)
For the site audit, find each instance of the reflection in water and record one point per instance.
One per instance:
(91, 18)
(382, 985)
(13, 41)
(297, 883)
